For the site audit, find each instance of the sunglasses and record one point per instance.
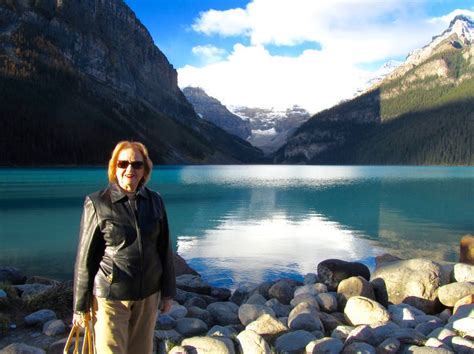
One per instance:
(136, 165)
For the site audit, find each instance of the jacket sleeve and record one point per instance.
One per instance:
(88, 257)
(168, 278)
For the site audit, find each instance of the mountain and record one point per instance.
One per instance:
(376, 77)
(214, 111)
(78, 76)
(421, 113)
(270, 128)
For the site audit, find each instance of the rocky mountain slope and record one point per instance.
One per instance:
(271, 128)
(214, 111)
(421, 113)
(78, 76)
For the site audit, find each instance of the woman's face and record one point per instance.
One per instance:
(130, 169)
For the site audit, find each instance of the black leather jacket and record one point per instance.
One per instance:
(123, 254)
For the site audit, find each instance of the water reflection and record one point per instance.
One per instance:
(251, 223)
(249, 250)
(274, 220)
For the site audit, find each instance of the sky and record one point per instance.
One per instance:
(280, 53)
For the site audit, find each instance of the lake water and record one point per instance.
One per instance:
(252, 223)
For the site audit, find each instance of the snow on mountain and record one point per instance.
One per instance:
(271, 127)
(377, 76)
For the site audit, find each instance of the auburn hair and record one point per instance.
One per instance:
(125, 145)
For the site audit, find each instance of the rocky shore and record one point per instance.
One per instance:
(403, 306)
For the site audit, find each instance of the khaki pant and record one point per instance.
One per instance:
(125, 327)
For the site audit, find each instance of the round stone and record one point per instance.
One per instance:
(361, 310)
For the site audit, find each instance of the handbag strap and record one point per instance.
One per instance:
(74, 333)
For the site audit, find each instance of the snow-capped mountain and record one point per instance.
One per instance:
(459, 33)
(270, 127)
(377, 76)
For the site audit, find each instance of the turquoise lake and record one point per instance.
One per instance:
(251, 223)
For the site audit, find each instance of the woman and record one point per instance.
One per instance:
(124, 259)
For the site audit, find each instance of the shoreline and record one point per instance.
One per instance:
(325, 309)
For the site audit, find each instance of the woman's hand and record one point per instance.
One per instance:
(80, 318)
(166, 304)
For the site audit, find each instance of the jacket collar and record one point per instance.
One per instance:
(116, 193)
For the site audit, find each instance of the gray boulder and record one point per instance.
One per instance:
(209, 345)
(21, 348)
(305, 316)
(360, 348)
(414, 349)
(178, 311)
(262, 289)
(54, 328)
(463, 272)
(354, 286)
(402, 315)
(311, 289)
(181, 266)
(342, 332)
(191, 326)
(462, 312)
(224, 313)
(435, 343)
(332, 271)
(294, 341)
(388, 346)
(29, 290)
(306, 297)
(164, 322)
(242, 292)
(462, 345)
(221, 294)
(361, 310)
(464, 325)
(381, 331)
(249, 313)
(325, 345)
(329, 321)
(277, 307)
(11, 275)
(251, 342)
(267, 325)
(168, 335)
(408, 336)
(196, 302)
(327, 302)
(222, 331)
(428, 327)
(282, 291)
(361, 333)
(449, 294)
(39, 317)
(256, 299)
(193, 283)
(414, 281)
(203, 315)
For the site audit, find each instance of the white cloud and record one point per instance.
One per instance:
(349, 33)
(252, 77)
(445, 20)
(226, 23)
(209, 54)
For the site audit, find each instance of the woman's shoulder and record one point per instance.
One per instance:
(99, 195)
(152, 193)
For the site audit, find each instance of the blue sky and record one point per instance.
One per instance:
(276, 53)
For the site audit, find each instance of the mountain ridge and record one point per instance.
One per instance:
(437, 89)
(80, 76)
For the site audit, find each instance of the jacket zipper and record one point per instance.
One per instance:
(140, 251)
